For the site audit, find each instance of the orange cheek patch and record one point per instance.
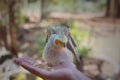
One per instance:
(56, 42)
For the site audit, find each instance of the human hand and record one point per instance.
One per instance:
(59, 74)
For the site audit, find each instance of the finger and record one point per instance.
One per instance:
(26, 65)
(29, 60)
(35, 70)
(17, 60)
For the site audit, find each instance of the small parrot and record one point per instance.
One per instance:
(64, 29)
(55, 51)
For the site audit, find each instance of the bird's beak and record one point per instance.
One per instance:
(64, 44)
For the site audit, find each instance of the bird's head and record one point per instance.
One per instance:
(59, 41)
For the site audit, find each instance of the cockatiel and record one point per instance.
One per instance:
(55, 51)
(64, 29)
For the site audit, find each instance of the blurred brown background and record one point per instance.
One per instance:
(94, 25)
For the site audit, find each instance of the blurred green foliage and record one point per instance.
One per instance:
(41, 43)
(84, 50)
(31, 1)
(57, 5)
(0, 22)
(38, 78)
(75, 5)
(19, 76)
(20, 18)
(79, 37)
(101, 4)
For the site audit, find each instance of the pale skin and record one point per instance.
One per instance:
(63, 71)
